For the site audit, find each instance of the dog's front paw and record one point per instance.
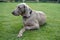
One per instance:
(19, 35)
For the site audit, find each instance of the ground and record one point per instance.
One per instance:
(10, 25)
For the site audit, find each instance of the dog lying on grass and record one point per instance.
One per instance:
(31, 19)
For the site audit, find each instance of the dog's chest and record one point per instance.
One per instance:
(28, 22)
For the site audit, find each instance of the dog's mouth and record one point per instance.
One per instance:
(26, 16)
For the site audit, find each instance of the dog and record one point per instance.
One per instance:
(31, 19)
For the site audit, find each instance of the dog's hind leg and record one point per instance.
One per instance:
(36, 26)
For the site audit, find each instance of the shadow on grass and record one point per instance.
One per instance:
(44, 25)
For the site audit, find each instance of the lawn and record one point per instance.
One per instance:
(10, 25)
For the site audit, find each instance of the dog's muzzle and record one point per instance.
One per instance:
(15, 13)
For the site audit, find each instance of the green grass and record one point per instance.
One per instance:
(10, 25)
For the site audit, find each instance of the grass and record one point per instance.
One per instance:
(10, 25)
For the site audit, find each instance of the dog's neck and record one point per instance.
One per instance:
(29, 16)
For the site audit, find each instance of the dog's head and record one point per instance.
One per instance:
(22, 9)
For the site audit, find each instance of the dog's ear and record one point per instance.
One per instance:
(24, 9)
(24, 6)
(27, 9)
(30, 11)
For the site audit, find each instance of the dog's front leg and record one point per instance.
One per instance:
(21, 32)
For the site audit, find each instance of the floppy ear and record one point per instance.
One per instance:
(27, 9)
(30, 11)
(24, 6)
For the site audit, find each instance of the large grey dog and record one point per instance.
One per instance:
(31, 19)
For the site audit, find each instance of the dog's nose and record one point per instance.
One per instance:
(13, 12)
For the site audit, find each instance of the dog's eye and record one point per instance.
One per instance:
(19, 8)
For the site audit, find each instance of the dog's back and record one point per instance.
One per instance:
(41, 17)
